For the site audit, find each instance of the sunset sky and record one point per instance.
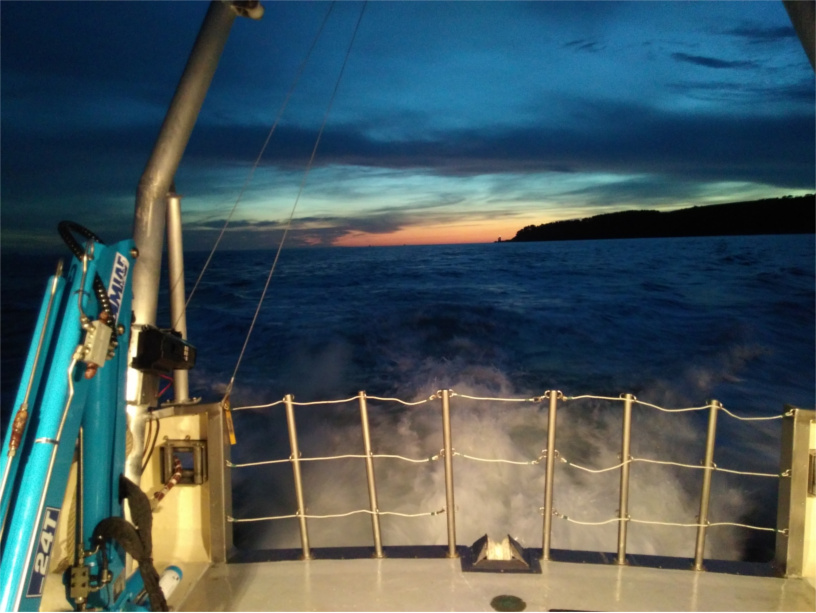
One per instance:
(453, 122)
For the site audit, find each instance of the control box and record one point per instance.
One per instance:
(162, 351)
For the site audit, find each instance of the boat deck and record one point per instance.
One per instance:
(403, 584)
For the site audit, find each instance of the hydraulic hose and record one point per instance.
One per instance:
(66, 230)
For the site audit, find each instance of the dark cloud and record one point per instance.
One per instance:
(751, 95)
(711, 62)
(651, 191)
(590, 46)
(238, 224)
(310, 230)
(758, 34)
(620, 138)
(612, 138)
(432, 91)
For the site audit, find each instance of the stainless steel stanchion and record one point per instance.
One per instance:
(623, 511)
(372, 487)
(175, 266)
(706, 493)
(548, 486)
(293, 443)
(450, 510)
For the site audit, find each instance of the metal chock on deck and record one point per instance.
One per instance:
(506, 556)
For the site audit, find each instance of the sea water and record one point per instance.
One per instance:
(676, 322)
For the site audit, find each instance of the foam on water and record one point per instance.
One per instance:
(496, 499)
(675, 322)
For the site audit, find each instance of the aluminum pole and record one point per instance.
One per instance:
(548, 486)
(450, 509)
(705, 495)
(149, 218)
(623, 510)
(148, 226)
(372, 487)
(178, 299)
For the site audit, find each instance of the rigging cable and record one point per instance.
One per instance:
(297, 199)
(257, 163)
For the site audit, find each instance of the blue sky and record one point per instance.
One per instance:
(454, 122)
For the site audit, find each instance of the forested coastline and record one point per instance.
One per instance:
(786, 215)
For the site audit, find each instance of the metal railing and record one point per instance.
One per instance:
(791, 471)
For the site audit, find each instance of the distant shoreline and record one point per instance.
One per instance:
(786, 215)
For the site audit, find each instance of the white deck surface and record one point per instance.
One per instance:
(440, 585)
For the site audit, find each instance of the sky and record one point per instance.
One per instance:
(453, 122)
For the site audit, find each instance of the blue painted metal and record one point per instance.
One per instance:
(104, 428)
(64, 401)
(39, 458)
(30, 384)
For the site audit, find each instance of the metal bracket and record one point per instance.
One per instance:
(193, 456)
(80, 583)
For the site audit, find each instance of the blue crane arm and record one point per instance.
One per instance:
(73, 381)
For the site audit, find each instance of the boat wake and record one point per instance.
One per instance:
(494, 498)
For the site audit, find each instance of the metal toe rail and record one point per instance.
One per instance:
(793, 476)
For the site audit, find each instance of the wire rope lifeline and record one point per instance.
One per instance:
(231, 384)
(437, 395)
(258, 406)
(534, 462)
(615, 466)
(498, 460)
(662, 523)
(341, 401)
(251, 174)
(493, 399)
(334, 516)
(433, 458)
(681, 410)
(665, 463)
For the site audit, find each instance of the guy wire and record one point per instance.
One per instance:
(251, 174)
(297, 199)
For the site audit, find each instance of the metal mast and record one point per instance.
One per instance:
(154, 185)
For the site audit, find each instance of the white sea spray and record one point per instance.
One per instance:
(675, 322)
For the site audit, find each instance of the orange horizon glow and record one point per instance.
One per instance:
(435, 234)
